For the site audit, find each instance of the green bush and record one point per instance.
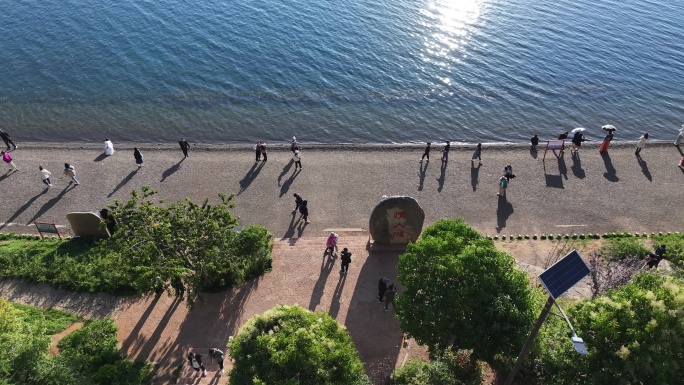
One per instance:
(54, 321)
(674, 244)
(620, 248)
(450, 368)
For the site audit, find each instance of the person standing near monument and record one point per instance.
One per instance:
(7, 158)
(389, 296)
(382, 288)
(185, 147)
(45, 174)
(345, 257)
(6, 138)
(426, 154)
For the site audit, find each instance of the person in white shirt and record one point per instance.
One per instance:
(680, 136)
(109, 147)
(297, 157)
(46, 176)
(640, 144)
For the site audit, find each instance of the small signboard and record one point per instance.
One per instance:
(564, 274)
(48, 228)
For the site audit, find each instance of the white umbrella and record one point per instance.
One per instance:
(609, 127)
(578, 129)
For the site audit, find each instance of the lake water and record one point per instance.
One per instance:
(361, 71)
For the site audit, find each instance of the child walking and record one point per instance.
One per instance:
(331, 245)
(8, 159)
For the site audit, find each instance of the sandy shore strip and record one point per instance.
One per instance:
(342, 183)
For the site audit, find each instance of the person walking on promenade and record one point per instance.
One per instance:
(262, 147)
(477, 154)
(563, 136)
(6, 137)
(534, 141)
(257, 152)
(382, 289)
(218, 355)
(503, 185)
(331, 245)
(138, 157)
(108, 147)
(45, 176)
(603, 149)
(656, 257)
(196, 363)
(426, 154)
(577, 140)
(185, 147)
(7, 158)
(294, 146)
(299, 200)
(640, 144)
(680, 136)
(345, 257)
(445, 152)
(297, 157)
(304, 210)
(389, 296)
(70, 171)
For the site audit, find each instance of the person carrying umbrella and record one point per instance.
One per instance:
(577, 140)
(603, 149)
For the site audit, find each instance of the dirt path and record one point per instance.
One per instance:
(54, 350)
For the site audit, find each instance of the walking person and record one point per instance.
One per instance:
(185, 147)
(534, 141)
(138, 157)
(45, 174)
(477, 154)
(108, 147)
(680, 136)
(563, 137)
(257, 152)
(389, 296)
(297, 157)
(640, 144)
(603, 149)
(503, 185)
(262, 147)
(6, 137)
(345, 257)
(426, 154)
(196, 363)
(70, 171)
(304, 210)
(382, 288)
(299, 200)
(331, 245)
(294, 146)
(577, 140)
(7, 158)
(445, 152)
(217, 354)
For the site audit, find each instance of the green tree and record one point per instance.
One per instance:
(23, 345)
(448, 368)
(634, 335)
(460, 292)
(289, 345)
(185, 246)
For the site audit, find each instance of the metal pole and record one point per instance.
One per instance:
(530, 339)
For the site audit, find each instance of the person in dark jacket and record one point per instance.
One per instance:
(656, 257)
(304, 210)
(577, 140)
(382, 288)
(426, 153)
(262, 147)
(299, 200)
(257, 152)
(138, 157)
(534, 141)
(217, 354)
(6, 137)
(196, 363)
(185, 146)
(346, 260)
(389, 296)
(445, 151)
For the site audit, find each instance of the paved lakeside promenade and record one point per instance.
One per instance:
(589, 193)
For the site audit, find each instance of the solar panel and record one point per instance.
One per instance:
(564, 274)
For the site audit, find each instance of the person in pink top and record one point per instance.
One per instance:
(8, 159)
(331, 245)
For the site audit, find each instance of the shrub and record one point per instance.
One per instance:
(449, 368)
(617, 249)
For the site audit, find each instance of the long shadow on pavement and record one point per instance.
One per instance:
(610, 173)
(422, 171)
(503, 211)
(49, 204)
(286, 186)
(122, 183)
(285, 170)
(644, 169)
(22, 209)
(250, 176)
(100, 157)
(576, 168)
(326, 267)
(442, 176)
(337, 295)
(474, 175)
(169, 171)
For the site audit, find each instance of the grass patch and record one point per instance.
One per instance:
(54, 320)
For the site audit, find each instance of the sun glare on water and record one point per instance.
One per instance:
(451, 23)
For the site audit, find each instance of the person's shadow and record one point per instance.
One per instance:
(533, 152)
(326, 267)
(442, 177)
(22, 209)
(576, 167)
(644, 169)
(122, 183)
(49, 204)
(287, 168)
(292, 226)
(562, 168)
(610, 173)
(300, 227)
(289, 181)
(337, 296)
(250, 176)
(474, 175)
(169, 171)
(100, 157)
(421, 175)
(503, 211)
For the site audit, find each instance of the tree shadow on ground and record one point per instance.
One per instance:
(100, 157)
(326, 267)
(644, 169)
(250, 176)
(610, 173)
(286, 186)
(442, 176)
(503, 212)
(576, 167)
(169, 171)
(474, 175)
(49, 204)
(122, 183)
(287, 168)
(22, 209)
(422, 171)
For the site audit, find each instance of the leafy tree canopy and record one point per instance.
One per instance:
(460, 292)
(289, 345)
